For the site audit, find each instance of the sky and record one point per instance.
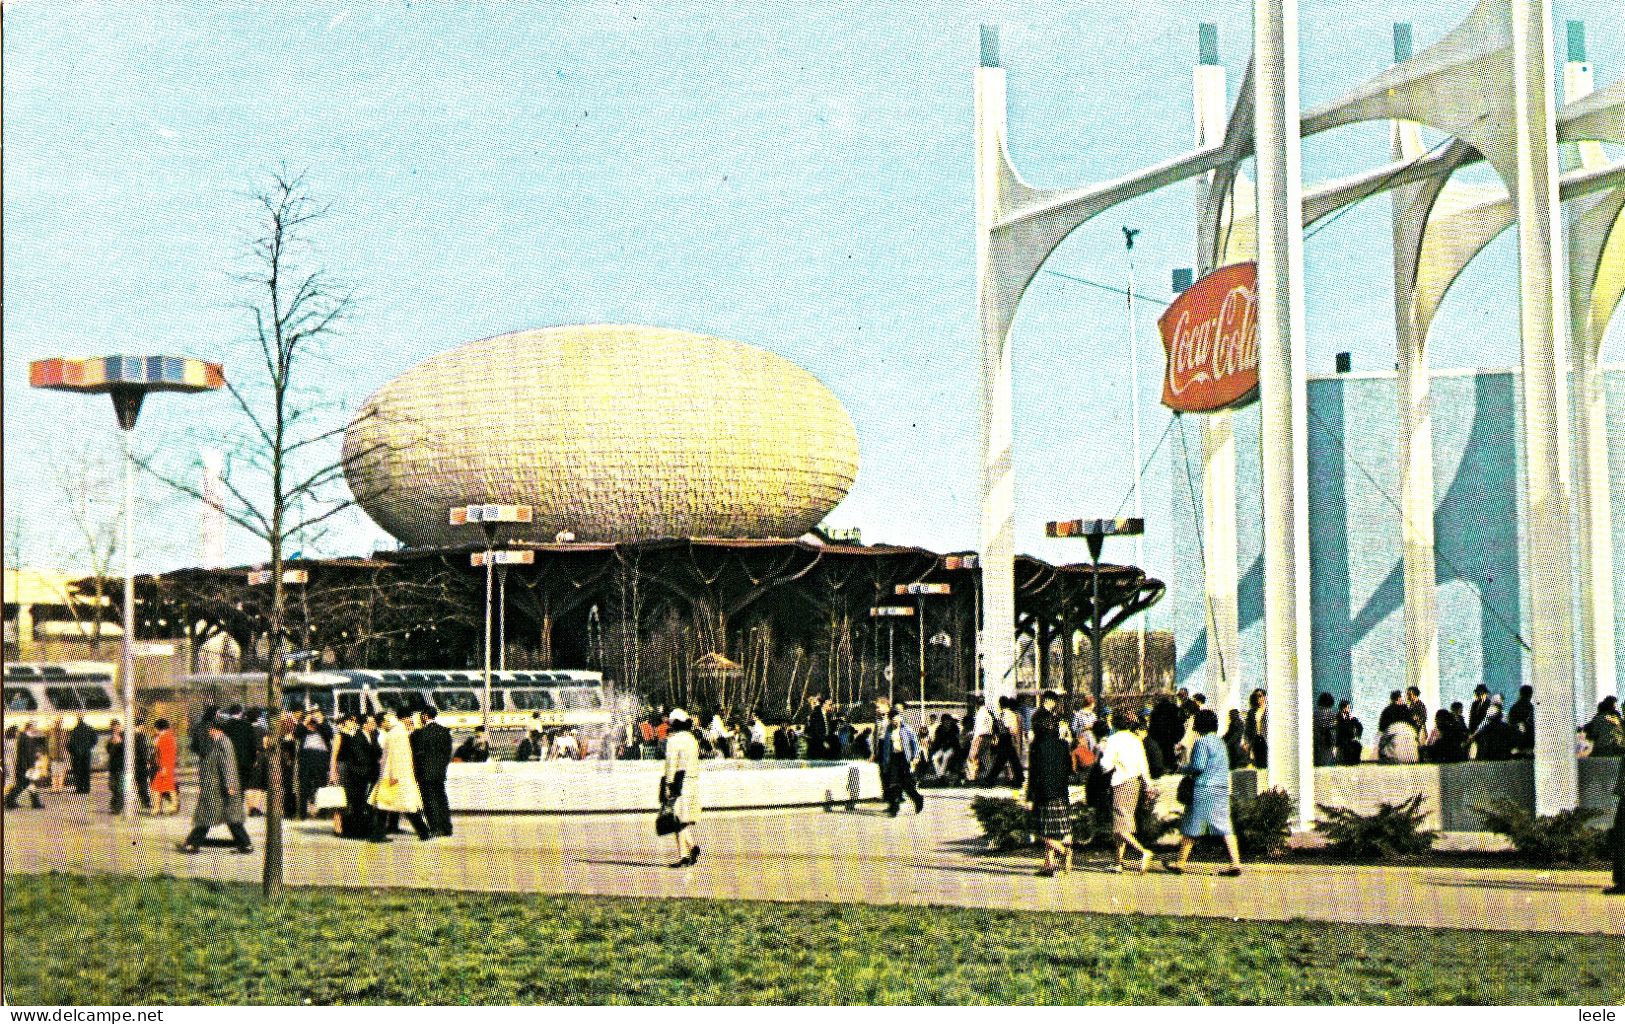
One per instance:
(798, 178)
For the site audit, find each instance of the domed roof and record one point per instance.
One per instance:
(612, 432)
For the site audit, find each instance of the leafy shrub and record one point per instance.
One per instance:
(1263, 823)
(1004, 821)
(1391, 831)
(1544, 839)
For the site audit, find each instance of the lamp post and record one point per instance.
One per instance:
(1095, 531)
(488, 517)
(891, 613)
(129, 379)
(920, 591)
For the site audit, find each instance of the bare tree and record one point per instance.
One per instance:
(82, 481)
(284, 478)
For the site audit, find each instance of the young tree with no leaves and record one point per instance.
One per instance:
(284, 476)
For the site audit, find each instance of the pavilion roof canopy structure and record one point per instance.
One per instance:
(422, 607)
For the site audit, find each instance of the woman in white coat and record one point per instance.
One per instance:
(397, 789)
(679, 786)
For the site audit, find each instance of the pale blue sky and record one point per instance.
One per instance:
(798, 178)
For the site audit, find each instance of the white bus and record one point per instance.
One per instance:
(41, 693)
(520, 699)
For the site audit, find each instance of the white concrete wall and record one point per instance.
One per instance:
(634, 786)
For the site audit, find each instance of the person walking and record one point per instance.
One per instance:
(29, 776)
(1618, 832)
(899, 750)
(1235, 740)
(314, 739)
(245, 743)
(356, 761)
(1122, 756)
(1049, 770)
(431, 754)
(142, 748)
(1209, 806)
(220, 793)
(165, 789)
(1258, 732)
(397, 789)
(81, 745)
(679, 786)
(115, 768)
(56, 748)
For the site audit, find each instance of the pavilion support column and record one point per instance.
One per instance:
(1599, 671)
(1415, 398)
(1220, 576)
(1542, 294)
(1283, 390)
(997, 642)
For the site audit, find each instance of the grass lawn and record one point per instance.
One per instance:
(78, 940)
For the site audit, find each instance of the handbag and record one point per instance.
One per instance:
(1186, 793)
(666, 822)
(331, 799)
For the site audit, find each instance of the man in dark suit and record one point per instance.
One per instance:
(244, 743)
(1618, 834)
(1480, 708)
(81, 744)
(431, 753)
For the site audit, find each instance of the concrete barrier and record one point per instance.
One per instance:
(609, 787)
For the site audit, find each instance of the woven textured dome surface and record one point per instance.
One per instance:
(612, 432)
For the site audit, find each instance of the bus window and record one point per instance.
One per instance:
(19, 699)
(456, 700)
(63, 698)
(350, 703)
(402, 702)
(531, 700)
(577, 699)
(94, 698)
(52, 670)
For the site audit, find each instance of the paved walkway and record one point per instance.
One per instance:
(858, 856)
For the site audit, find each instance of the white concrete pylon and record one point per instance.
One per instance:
(1283, 398)
(1220, 571)
(1596, 247)
(1489, 82)
(1017, 227)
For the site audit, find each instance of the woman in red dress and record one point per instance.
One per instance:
(163, 778)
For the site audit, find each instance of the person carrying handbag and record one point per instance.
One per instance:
(679, 789)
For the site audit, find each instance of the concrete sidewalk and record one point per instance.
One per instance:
(858, 856)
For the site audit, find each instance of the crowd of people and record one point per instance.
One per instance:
(368, 772)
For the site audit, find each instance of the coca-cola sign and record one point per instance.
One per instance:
(1211, 337)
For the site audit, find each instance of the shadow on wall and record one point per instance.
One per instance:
(1476, 543)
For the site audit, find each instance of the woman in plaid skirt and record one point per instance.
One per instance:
(1049, 768)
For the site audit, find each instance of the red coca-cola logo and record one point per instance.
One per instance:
(1211, 337)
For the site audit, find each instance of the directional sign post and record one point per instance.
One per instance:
(489, 517)
(921, 591)
(891, 613)
(128, 379)
(1095, 531)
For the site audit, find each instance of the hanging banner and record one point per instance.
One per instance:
(1210, 334)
